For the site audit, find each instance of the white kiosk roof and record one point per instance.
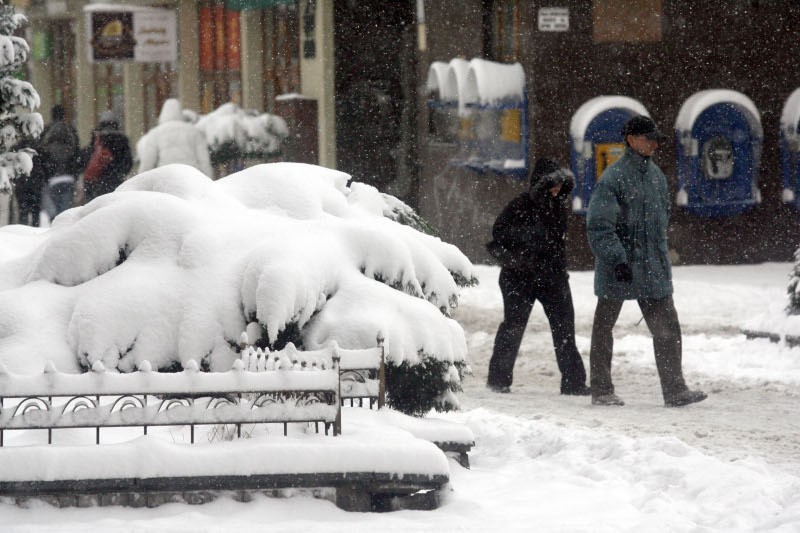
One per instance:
(791, 113)
(591, 108)
(437, 82)
(700, 101)
(476, 82)
(491, 83)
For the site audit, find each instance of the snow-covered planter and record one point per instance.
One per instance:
(18, 101)
(173, 266)
(234, 134)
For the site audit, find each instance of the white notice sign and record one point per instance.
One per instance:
(553, 18)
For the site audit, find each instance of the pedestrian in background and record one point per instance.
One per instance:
(28, 188)
(627, 227)
(174, 141)
(107, 160)
(529, 245)
(59, 151)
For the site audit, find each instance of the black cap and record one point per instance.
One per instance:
(642, 125)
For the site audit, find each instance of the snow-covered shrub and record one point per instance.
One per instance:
(173, 266)
(794, 287)
(18, 100)
(234, 133)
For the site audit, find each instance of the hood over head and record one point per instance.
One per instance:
(171, 110)
(546, 175)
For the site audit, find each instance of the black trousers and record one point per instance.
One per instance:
(662, 321)
(520, 291)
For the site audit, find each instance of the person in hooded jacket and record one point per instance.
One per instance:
(107, 160)
(528, 242)
(174, 141)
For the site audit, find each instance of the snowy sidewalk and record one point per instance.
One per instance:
(545, 462)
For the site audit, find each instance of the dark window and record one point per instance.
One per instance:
(501, 20)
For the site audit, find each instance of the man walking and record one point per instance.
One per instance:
(627, 226)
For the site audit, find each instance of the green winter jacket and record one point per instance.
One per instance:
(627, 223)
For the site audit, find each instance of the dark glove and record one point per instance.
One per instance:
(623, 273)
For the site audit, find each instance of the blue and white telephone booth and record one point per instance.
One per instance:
(790, 149)
(719, 138)
(597, 142)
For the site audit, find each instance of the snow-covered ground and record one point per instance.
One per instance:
(545, 462)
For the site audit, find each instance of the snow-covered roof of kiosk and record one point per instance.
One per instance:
(475, 82)
(491, 83)
(437, 82)
(791, 113)
(599, 104)
(702, 100)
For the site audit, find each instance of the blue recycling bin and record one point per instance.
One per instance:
(790, 150)
(719, 138)
(596, 141)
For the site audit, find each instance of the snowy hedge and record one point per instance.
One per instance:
(173, 267)
(234, 133)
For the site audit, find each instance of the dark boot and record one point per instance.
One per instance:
(685, 398)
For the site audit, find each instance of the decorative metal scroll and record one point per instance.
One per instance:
(92, 410)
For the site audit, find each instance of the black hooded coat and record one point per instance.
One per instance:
(529, 244)
(529, 233)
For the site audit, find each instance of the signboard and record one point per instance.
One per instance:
(131, 34)
(553, 19)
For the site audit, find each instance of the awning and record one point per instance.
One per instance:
(241, 5)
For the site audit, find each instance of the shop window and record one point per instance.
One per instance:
(109, 88)
(54, 47)
(627, 21)
(159, 85)
(502, 30)
(281, 28)
(220, 55)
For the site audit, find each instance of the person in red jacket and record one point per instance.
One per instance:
(529, 244)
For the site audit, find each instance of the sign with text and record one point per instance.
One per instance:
(553, 19)
(141, 35)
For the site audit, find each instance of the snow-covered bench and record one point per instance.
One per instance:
(363, 383)
(366, 469)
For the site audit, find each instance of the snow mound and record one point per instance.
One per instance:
(173, 266)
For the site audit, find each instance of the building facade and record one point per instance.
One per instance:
(364, 64)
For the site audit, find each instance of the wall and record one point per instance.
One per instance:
(743, 45)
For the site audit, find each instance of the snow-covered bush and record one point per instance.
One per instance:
(173, 266)
(234, 133)
(794, 287)
(18, 100)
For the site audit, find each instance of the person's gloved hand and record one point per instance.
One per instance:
(623, 273)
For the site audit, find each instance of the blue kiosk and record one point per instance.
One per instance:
(719, 138)
(790, 149)
(596, 141)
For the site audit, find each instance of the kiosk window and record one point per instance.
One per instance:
(605, 155)
(718, 158)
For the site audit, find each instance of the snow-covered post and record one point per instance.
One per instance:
(18, 101)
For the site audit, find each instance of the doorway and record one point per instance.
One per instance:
(375, 87)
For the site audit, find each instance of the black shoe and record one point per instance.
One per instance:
(502, 389)
(607, 399)
(581, 390)
(685, 398)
